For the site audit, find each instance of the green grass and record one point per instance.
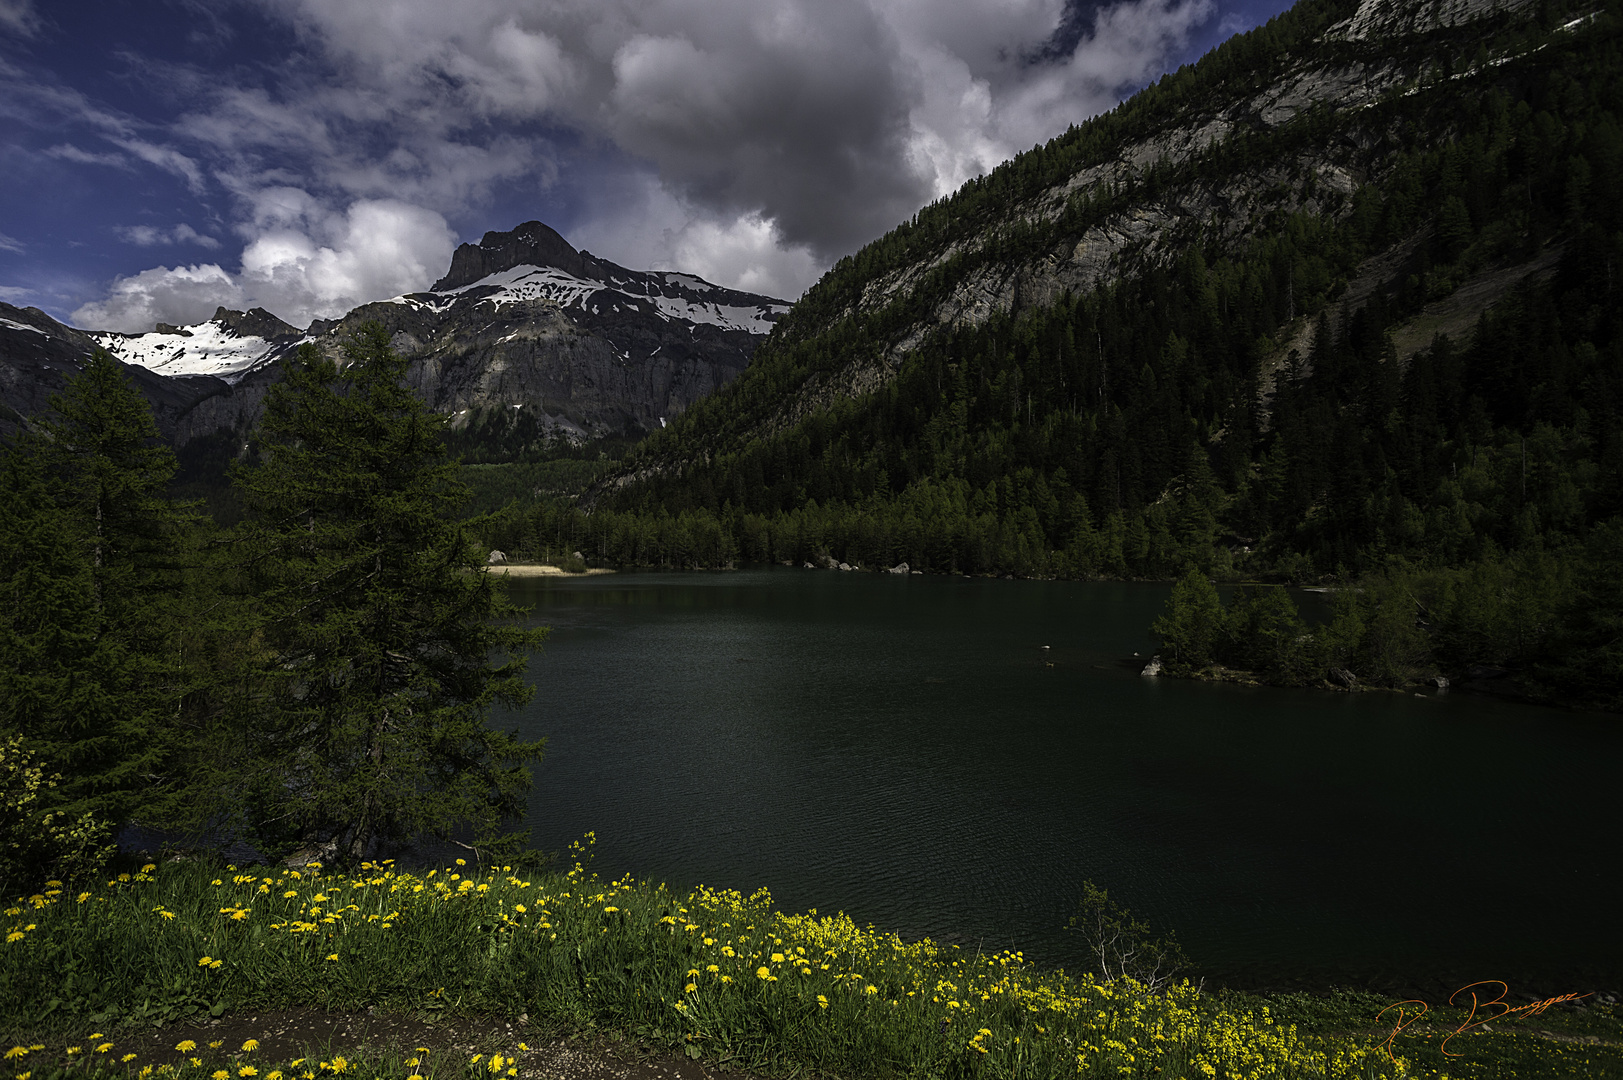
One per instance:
(717, 975)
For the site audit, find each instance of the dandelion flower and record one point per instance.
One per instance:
(219, 1074)
(250, 1046)
(247, 1070)
(104, 1047)
(822, 1002)
(763, 972)
(16, 1052)
(185, 1046)
(127, 1058)
(332, 956)
(206, 961)
(690, 988)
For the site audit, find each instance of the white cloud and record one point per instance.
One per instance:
(749, 141)
(830, 119)
(69, 152)
(19, 17)
(184, 294)
(152, 236)
(650, 229)
(304, 264)
(11, 244)
(169, 160)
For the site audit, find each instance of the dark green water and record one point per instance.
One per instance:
(903, 749)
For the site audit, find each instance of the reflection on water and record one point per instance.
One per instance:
(906, 749)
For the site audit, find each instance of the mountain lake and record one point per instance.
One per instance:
(952, 757)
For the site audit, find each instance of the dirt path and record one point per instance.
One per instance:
(287, 1034)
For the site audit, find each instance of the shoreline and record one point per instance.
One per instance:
(535, 570)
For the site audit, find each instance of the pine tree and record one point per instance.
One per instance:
(92, 566)
(376, 626)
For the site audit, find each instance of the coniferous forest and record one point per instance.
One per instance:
(318, 674)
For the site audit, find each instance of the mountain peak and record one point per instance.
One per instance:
(531, 243)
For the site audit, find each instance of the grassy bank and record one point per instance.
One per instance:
(86, 975)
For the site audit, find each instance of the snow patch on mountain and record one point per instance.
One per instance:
(674, 297)
(204, 349)
(22, 326)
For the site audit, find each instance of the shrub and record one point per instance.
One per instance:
(37, 842)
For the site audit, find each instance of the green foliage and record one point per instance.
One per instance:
(38, 843)
(718, 972)
(1266, 635)
(92, 557)
(379, 645)
(1193, 624)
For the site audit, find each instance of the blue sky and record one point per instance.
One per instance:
(160, 158)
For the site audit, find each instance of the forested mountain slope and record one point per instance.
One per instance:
(1203, 326)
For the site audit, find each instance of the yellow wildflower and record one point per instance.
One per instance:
(250, 1046)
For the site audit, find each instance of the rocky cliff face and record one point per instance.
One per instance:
(522, 321)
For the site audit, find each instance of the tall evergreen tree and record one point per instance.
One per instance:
(92, 556)
(382, 644)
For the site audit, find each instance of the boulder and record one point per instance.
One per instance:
(899, 568)
(496, 557)
(1342, 677)
(1153, 668)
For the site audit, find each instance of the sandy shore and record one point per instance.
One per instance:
(525, 570)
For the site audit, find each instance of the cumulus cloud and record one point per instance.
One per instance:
(829, 119)
(304, 263)
(750, 141)
(643, 225)
(184, 294)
